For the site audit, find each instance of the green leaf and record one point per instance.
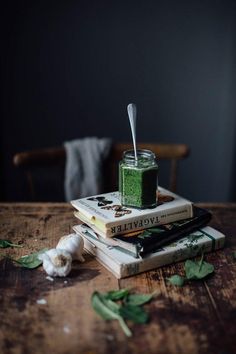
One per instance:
(113, 306)
(30, 261)
(144, 234)
(234, 254)
(156, 230)
(107, 309)
(138, 299)
(134, 313)
(116, 294)
(100, 305)
(198, 269)
(176, 280)
(6, 243)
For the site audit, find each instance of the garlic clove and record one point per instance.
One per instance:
(56, 262)
(74, 244)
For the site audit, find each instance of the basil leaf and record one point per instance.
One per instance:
(117, 294)
(106, 309)
(100, 306)
(134, 313)
(176, 280)
(138, 299)
(6, 243)
(112, 305)
(30, 261)
(198, 270)
(144, 234)
(156, 230)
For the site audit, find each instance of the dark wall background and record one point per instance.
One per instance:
(69, 69)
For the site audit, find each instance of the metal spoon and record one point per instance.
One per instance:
(132, 113)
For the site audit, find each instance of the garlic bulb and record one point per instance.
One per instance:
(74, 244)
(56, 262)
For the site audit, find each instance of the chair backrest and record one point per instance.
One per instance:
(52, 157)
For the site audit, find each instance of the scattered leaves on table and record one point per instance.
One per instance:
(134, 313)
(30, 261)
(120, 305)
(138, 299)
(117, 294)
(176, 280)
(198, 269)
(108, 310)
(194, 270)
(7, 243)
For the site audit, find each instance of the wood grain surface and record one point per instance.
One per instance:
(198, 318)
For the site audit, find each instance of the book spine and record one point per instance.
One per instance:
(144, 222)
(180, 254)
(102, 258)
(110, 242)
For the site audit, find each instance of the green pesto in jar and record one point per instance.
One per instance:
(138, 180)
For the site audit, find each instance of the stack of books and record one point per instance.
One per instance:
(128, 241)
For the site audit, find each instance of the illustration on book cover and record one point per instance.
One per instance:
(119, 210)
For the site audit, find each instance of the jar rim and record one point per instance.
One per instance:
(140, 153)
(144, 154)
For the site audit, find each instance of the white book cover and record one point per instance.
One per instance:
(105, 213)
(123, 265)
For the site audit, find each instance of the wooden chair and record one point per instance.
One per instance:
(52, 157)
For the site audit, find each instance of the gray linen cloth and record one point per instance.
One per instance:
(83, 170)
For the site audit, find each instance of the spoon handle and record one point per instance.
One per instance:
(132, 113)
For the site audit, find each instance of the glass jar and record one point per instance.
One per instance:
(138, 179)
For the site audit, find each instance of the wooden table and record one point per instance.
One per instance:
(198, 318)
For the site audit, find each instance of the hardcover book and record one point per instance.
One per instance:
(105, 214)
(123, 265)
(139, 243)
